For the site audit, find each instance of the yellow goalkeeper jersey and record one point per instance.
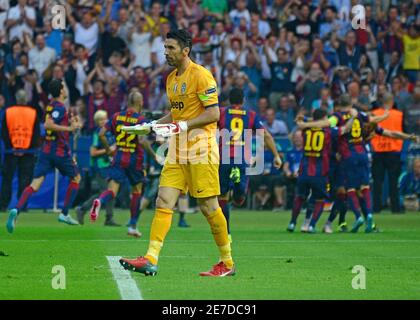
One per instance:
(189, 95)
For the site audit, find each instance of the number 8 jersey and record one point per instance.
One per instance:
(351, 143)
(129, 152)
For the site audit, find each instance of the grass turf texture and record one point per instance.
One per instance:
(271, 263)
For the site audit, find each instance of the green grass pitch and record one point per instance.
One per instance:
(271, 263)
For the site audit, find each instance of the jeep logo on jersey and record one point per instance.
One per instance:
(183, 88)
(177, 105)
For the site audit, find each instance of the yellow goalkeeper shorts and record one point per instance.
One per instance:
(201, 180)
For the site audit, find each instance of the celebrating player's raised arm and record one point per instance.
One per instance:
(349, 124)
(51, 125)
(398, 135)
(377, 119)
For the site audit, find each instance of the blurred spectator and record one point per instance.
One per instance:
(401, 95)
(20, 19)
(243, 82)
(394, 67)
(409, 187)
(388, 34)
(348, 51)
(262, 107)
(158, 50)
(412, 113)
(125, 25)
(411, 43)
(41, 56)
(324, 102)
(276, 127)
(310, 86)
(111, 42)
(281, 72)
(303, 26)
(240, 12)
(86, 32)
(291, 166)
(286, 112)
(193, 11)
(53, 37)
(216, 8)
(263, 26)
(140, 43)
(320, 56)
(155, 20)
(12, 59)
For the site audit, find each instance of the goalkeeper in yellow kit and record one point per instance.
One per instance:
(193, 158)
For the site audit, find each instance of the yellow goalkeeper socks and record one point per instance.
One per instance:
(218, 227)
(160, 227)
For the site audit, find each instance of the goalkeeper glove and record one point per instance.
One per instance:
(139, 129)
(170, 129)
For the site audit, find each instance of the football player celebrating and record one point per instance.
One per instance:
(54, 154)
(127, 162)
(314, 166)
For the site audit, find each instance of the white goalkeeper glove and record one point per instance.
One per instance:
(139, 129)
(170, 129)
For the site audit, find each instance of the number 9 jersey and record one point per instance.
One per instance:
(129, 152)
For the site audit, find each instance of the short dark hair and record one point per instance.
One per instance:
(344, 100)
(182, 36)
(236, 96)
(79, 46)
(319, 114)
(54, 87)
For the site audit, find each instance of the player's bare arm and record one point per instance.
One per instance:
(271, 144)
(349, 124)
(377, 119)
(313, 124)
(210, 115)
(167, 118)
(148, 147)
(400, 135)
(50, 125)
(104, 141)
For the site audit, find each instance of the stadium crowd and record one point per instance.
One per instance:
(288, 56)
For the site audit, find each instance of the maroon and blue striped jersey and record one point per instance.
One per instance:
(317, 144)
(352, 142)
(235, 140)
(57, 143)
(129, 152)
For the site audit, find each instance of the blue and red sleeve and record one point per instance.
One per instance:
(58, 114)
(258, 124)
(111, 124)
(379, 131)
(222, 119)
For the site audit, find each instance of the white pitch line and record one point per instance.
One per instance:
(211, 241)
(126, 285)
